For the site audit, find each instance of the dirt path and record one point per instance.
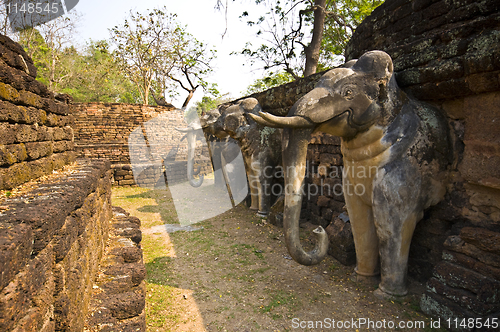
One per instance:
(235, 275)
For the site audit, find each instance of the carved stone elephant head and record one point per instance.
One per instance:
(396, 151)
(260, 146)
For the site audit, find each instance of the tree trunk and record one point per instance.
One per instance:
(312, 50)
(188, 98)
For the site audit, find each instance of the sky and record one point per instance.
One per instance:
(232, 73)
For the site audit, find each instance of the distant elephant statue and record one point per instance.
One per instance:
(193, 133)
(260, 146)
(396, 153)
(222, 151)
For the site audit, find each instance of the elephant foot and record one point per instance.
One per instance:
(369, 281)
(262, 214)
(253, 209)
(383, 295)
(366, 274)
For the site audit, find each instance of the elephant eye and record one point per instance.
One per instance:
(348, 93)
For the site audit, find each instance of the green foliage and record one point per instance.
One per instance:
(288, 26)
(339, 26)
(99, 77)
(273, 80)
(206, 103)
(155, 51)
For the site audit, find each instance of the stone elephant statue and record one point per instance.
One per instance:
(193, 133)
(222, 151)
(260, 146)
(396, 153)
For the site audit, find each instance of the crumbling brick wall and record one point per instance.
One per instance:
(53, 232)
(35, 133)
(448, 54)
(51, 242)
(102, 131)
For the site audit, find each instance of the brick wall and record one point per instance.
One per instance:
(102, 131)
(51, 242)
(448, 53)
(35, 133)
(54, 231)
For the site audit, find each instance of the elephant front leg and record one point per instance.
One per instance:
(363, 230)
(255, 185)
(265, 192)
(396, 209)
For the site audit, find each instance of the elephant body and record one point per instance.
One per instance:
(260, 147)
(396, 153)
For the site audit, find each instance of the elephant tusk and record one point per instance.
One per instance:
(287, 121)
(183, 130)
(262, 121)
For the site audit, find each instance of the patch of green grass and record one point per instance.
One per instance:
(160, 299)
(279, 298)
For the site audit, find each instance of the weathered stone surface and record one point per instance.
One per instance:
(118, 295)
(128, 304)
(128, 230)
(17, 296)
(471, 263)
(16, 243)
(466, 299)
(455, 243)
(15, 56)
(437, 306)
(486, 289)
(341, 241)
(483, 239)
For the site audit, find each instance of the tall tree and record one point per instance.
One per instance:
(304, 35)
(51, 48)
(155, 50)
(142, 46)
(98, 77)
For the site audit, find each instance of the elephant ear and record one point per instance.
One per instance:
(377, 64)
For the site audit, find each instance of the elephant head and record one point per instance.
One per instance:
(234, 121)
(346, 101)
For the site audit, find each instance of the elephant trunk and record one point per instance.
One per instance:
(295, 142)
(191, 137)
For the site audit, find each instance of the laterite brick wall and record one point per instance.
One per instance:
(448, 54)
(35, 127)
(102, 131)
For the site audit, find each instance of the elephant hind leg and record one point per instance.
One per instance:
(396, 210)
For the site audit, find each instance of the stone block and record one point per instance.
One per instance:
(483, 239)
(341, 241)
(486, 289)
(439, 307)
(128, 304)
(471, 263)
(16, 243)
(11, 154)
(462, 297)
(8, 93)
(30, 99)
(456, 244)
(37, 150)
(323, 201)
(12, 113)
